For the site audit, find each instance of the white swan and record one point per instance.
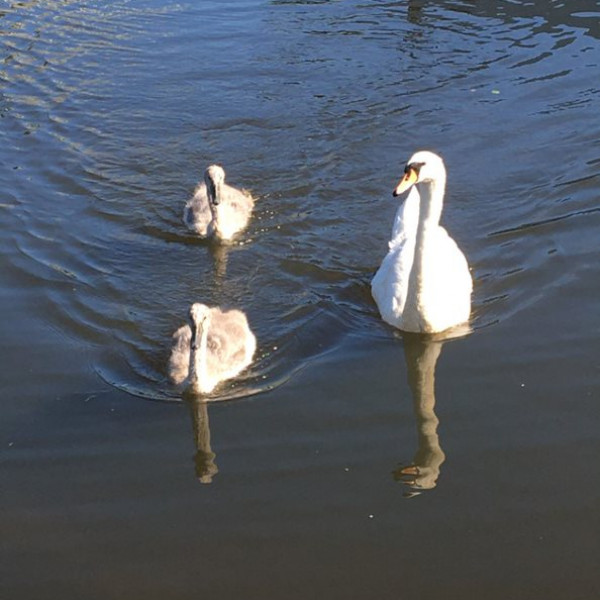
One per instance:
(217, 345)
(423, 284)
(217, 209)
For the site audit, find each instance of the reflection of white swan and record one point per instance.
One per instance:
(421, 356)
(217, 345)
(217, 209)
(423, 284)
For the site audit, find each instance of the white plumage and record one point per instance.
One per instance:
(216, 209)
(423, 284)
(217, 345)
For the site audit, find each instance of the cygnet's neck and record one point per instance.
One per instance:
(215, 212)
(214, 191)
(198, 366)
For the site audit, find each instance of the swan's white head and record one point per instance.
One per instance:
(199, 314)
(422, 166)
(214, 177)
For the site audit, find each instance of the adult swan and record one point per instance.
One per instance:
(423, 284)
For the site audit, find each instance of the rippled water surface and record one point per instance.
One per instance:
(356, 462)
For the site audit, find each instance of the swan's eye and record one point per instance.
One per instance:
(416, 167)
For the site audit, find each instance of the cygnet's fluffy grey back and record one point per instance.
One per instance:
(231, 343)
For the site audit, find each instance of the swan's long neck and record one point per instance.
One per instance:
(430, 210)
(430, 207)
(198, 366)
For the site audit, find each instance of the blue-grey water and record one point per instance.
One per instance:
(355, 462)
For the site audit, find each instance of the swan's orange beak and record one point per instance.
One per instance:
(409, 179)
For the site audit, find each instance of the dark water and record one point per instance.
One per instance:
(109, 114)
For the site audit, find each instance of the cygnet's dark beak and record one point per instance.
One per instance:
(211, 190)
(193, 341)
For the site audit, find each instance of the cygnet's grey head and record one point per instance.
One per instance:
(214, 177)
(198, 315)
(422, 166)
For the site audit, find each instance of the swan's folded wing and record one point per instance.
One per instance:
(449, 283)
(452, 265)
(390, 284)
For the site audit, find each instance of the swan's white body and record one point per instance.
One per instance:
(217, 209)
(423, 284)
(217, 345)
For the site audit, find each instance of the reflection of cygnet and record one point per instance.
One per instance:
(423, 284)
(206, 467)
(217, 209)
(217, 345)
